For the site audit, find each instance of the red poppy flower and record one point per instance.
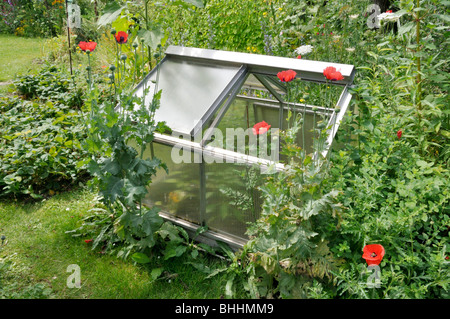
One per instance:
(286, 76)
(373, 254)
(91, 45)
(299, 57)
(87, 241)
(332, 74)
(399, 134)
(389, 11)
(121, 37)
(260, 128)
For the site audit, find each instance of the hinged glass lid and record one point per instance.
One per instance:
(191, 91)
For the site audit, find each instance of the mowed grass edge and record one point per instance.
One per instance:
(37, 242)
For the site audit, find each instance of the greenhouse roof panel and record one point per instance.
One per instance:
(191, 92)
(196, 82)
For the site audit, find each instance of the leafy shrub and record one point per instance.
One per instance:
(401, 201)
(52, 85)
(39, 146)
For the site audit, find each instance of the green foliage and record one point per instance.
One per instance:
(40, 140)
(50, 84)
(289, 239)
(119, 172)
(395, 188)
(288, 251)
(40, 18)
(237, 24)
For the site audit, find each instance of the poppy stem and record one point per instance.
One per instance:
(135, 65)
(303, 128)
(89, 70)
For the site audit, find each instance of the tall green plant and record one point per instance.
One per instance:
(120, 172)
(288, 251)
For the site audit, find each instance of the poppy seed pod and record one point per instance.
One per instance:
(113, 31)
(112, 67)
(123, 57)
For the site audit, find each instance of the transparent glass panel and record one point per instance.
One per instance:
(176, 193)
(245, 113)
(311, 101)
(232, 198)
(189, 90)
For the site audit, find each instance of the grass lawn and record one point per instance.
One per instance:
(41, 252)
(18, 55)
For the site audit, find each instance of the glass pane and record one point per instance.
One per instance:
(232, 199)
(255, 104)
(176, 193)
(188, 92)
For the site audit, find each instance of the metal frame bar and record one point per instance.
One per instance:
(277, 96)
(237, 84)
(263, 64)
(227, 92)
(336, 119)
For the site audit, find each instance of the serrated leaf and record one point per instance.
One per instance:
(152, 37)
(110, 13)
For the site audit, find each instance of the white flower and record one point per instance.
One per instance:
(350, 49)
(353, 16)
(304, 49)
(388, 16)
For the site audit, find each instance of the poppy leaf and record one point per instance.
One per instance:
(110, 13)
(152, 37)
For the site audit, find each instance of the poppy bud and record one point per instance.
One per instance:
(113, 31)
(123, 57)
(135, 45)
(112, 67)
